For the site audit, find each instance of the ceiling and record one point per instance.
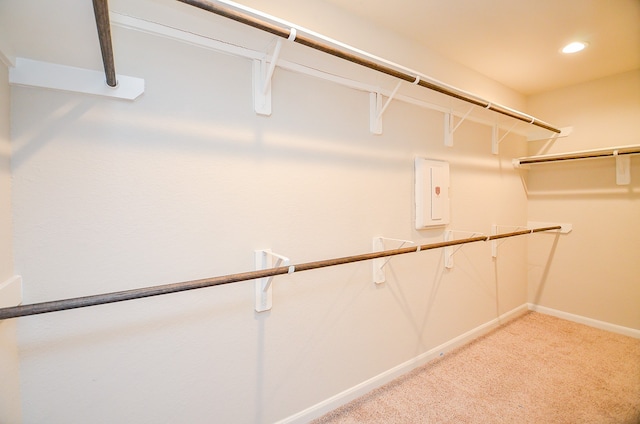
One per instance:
(518, 42)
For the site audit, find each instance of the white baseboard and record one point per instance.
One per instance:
(361, 389)
(11, 292)
(614, 328)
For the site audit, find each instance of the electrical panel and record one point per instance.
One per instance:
(431, 192)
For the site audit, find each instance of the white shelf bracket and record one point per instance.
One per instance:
(379, 263)
(264, 259)
(566, 227)
(495, 141)
(375, 106)
(449, 251)
(623, 168)
(450, 128)
(531, 225)
(262, 75)
(377, 109)
(496, 243)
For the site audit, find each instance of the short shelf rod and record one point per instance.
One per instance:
(583, 154)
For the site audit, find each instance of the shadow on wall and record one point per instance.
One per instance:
(545, 273)
(418, 321)
(36, 137)
(131, 125)
(126, 125)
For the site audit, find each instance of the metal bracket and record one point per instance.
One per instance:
(496, 243)
(264, 293)
(377, 109)
(449, 251)
(623, 168)
(262, 75)
(495, 141)
(565, 229)
(379, 263)
(449, 127)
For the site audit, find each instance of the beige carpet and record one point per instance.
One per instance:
(535, 369)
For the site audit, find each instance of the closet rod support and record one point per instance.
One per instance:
(272, 66)
(450, 128)
(525, 230)
(262, 76)
(264, 259)
(449, 251)
(495, 141)
(379, 275)
(377, 109)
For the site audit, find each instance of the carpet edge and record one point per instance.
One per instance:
(346, 396)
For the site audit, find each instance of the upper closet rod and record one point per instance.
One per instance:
(101, 12)
(584, 154)
(356, 56)
(101, 299)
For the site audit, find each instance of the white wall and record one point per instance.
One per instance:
(6, 254)
(594, 271)
(9, 383)
(186, 183)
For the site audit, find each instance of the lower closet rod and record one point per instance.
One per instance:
(100, 299)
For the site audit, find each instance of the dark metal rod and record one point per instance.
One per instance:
(101, 11)
(101, 299)
(586, 155)
(310, 42)
(523, 232)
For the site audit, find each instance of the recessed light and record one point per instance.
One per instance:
(574, 47)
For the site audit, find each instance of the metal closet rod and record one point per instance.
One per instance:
(361, 58)
(101, 12)
(585, 154)
(101, 299)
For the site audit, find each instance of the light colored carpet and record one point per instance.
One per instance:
(535, 369)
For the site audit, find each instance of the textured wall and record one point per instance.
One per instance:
(186, 183)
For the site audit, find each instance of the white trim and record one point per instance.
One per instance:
(11, 292)
(34, 73)
(160, 30)
(614, 328)
(358, 390)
